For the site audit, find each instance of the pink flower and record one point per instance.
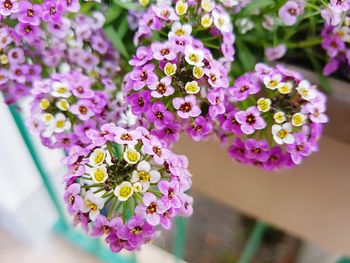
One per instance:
(143, 76)
(250, 120)
(162, 88)
(123, 136)
(276, 52)
(186, 107)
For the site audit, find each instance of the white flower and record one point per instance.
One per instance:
(44, 104)
(97, 157)
(127, 118)
(206, 21)
(99, 174)
(180, 30)
(272, 82)
(181, 7)
(145, 175)
(285, 87)
(279, 117)
(92, 205)
(194, 56)
(192, 87)
(245, 25)
(131, 156)
(222, 21)
(124, 191)
(170, 69)
(47, 118)
(62, 104)
(298, 119)
(61, 123)
(60, 89)
(137, 187)
(282, 133)
(207, 5)
(306, 91)
(264, 104)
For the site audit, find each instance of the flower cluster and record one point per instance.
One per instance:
(336, 37)
(176, 84)
(126, 185)
(206, 20)
(64, 107)
(276, 115)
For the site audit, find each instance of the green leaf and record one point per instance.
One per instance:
(123, 27)
(324, 81)
(128, 5)
(117, 41)
(245, 56)
(113, 13)
(254, 6)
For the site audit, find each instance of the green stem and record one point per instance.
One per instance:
(110, 213)
(307, 43)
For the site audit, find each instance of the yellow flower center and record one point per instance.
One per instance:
(60, 124)
(91, 205)
(125, 191)
(282, 134)
(132, 156)
(99, 157)
(169, 69)
(44, 104)
(144, 176)
(99, 175)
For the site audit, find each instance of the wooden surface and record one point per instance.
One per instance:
(311, 201)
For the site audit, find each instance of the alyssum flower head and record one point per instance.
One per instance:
(276, 115)
(126, 185)
(176, 84)
(206, 20)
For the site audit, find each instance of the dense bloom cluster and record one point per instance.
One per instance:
(206, 20)
(64, 107)
(336, 37)
(174, 85)
(275, 115)
(126, 185)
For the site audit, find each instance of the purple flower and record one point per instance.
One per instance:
(186, 107)
(170, 191)
(244, 87)
(289, 12)
(162, 88)
(135, 230)
(72, 6)
(216, 99)
(170, 133)
(29, 32)
(331, 67)
(230, 124)
(140, 102)
(159, 115)
(65, 140)
(103, 226)
(30, 13)
(317, 112)
(257, 150)
(81, 129)
(275, 159)
(59, 29)
(16, 56)
(250, 120)
(143, 55)
(162, 51)
(166, 218)
(276, 52)
(199, 128)
(332, 15)
(300, 148)
(8, 7)
(187, 208)
(83, 109)
(117, 244)
(155, 148)
(143, 76)
(165, 12)
(80, 87)
(83, 220)
(333, 45)
(152, 209)
(52, 10)
(123, 136)
(73, 199)
(237, 151)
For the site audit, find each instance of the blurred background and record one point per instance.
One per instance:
(241, 214)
